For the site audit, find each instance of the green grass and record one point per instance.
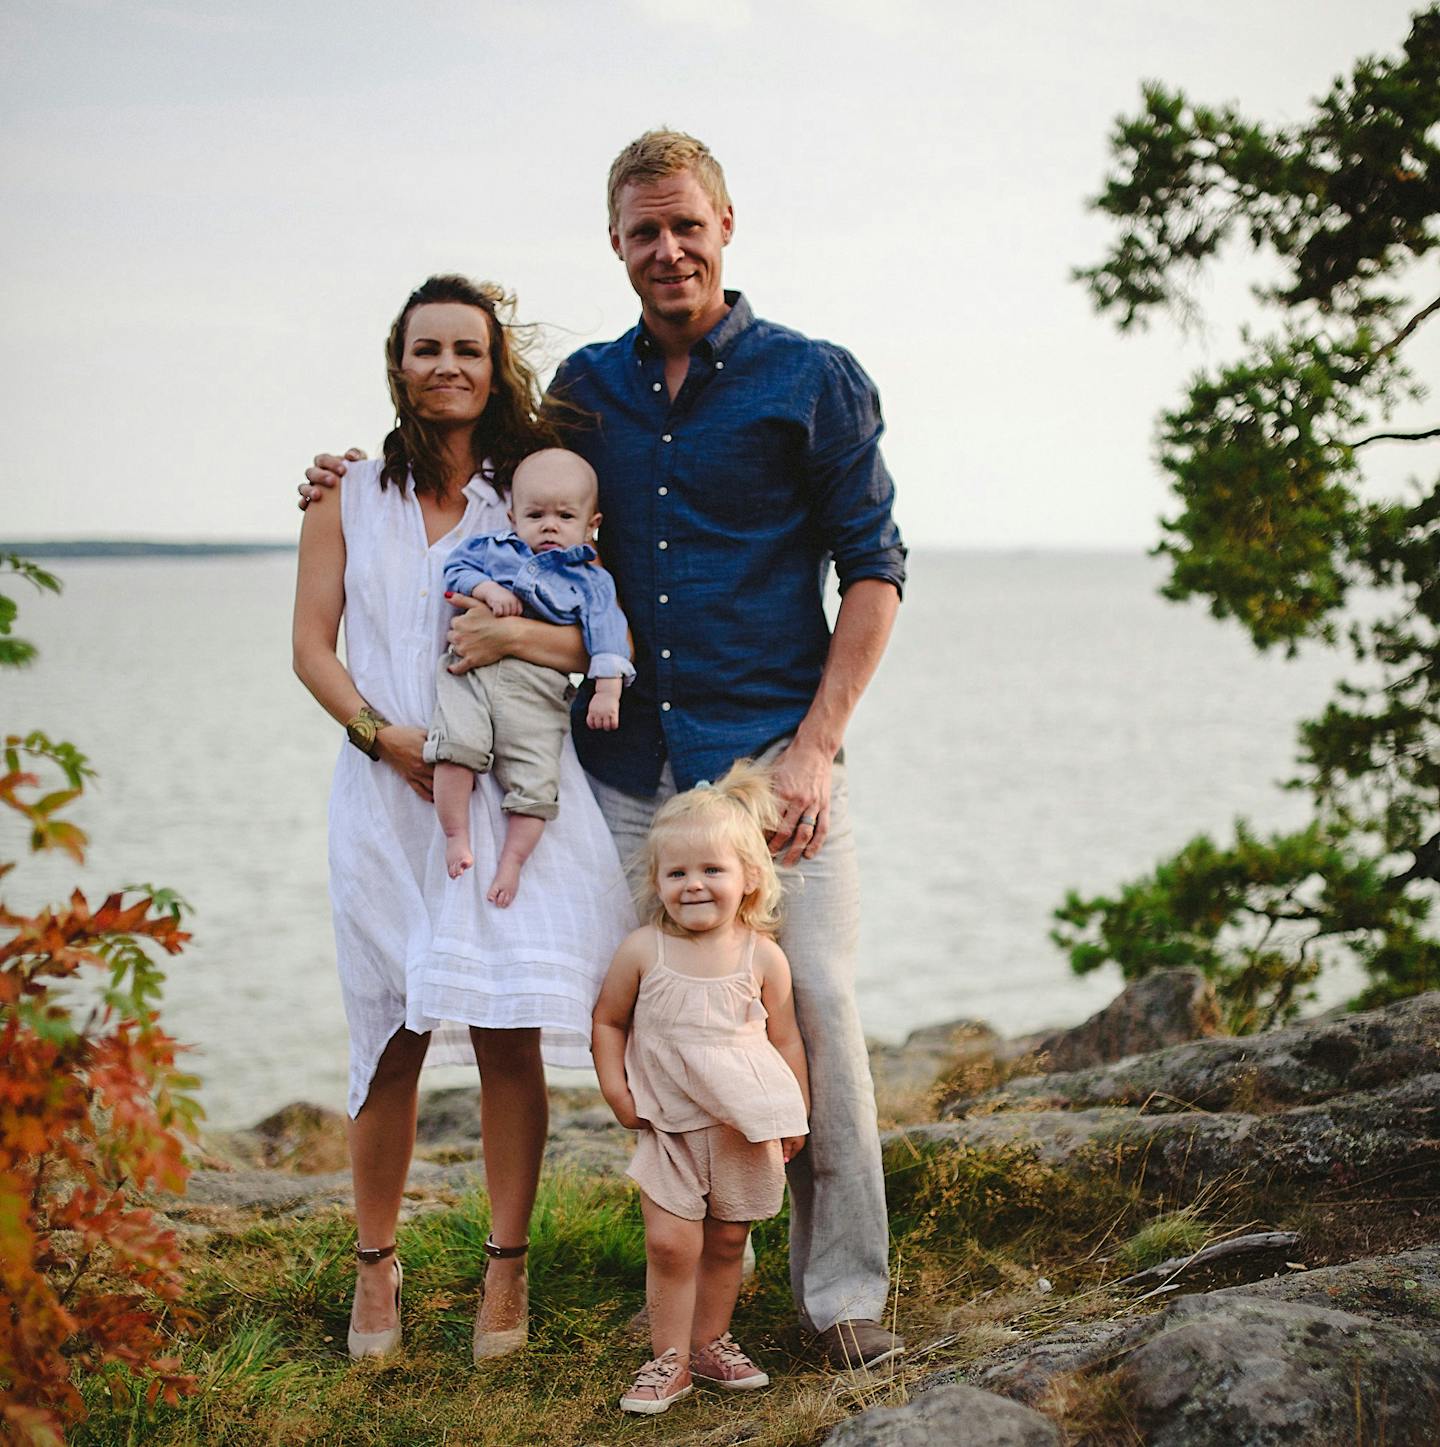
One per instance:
(973, 1230)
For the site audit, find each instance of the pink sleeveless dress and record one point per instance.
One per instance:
(698, 1054)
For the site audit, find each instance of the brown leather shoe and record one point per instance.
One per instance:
(858, 1344)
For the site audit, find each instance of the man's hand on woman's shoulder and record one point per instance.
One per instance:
(325, 473)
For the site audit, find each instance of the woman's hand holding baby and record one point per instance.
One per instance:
(403, 749)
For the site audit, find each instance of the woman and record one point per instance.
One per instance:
(419, 953)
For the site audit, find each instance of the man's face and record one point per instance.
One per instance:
(670, 236)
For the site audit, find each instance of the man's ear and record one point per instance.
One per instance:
(727, 225)
(615, 242)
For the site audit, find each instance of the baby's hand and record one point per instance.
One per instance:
(603, 713)
(791, 1146)
(500, 601)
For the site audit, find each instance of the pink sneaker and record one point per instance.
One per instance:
(657, 1386)
(722, 1364)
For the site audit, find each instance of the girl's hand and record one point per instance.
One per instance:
(402, 748)
(623, 1108)
(791, 1146)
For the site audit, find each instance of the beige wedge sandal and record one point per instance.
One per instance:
(491, 1344)
(376, 1343)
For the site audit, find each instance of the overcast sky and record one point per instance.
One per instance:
(213, 209)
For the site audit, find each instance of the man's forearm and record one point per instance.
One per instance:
(862, 629)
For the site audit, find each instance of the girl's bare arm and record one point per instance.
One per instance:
(610, 1027)
(778, 997)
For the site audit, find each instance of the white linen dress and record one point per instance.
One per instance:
(414, 947)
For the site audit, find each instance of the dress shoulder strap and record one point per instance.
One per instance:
(659, 945)
(749, 965)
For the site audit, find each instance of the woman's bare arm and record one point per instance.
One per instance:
(319, 606)
(478, 637)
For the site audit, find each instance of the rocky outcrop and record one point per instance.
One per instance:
(1167, 1007)
(1343, 1354)
(1393, 1133)
(948, 1415)
(1300, 1065)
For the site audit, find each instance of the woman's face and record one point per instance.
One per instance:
(447, 365)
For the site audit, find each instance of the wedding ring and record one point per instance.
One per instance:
(809, 819)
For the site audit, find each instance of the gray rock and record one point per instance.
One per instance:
(1302, 1064)
(1392, 1133)
(1168, 1007)
(1024, 1369)
(904, 1072)
(946, 1416)
(1343, 1354)
(1235, 1368)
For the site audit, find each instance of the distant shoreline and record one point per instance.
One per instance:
(136, 548)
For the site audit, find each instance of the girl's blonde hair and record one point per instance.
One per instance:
(739, 810)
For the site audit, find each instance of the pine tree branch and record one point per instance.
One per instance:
(1410, 326)
(1395, 437)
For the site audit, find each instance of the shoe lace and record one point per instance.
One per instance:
(660, 1372)
(725, 1349)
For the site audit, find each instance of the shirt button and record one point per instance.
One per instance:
(664, 597)
(719, 366)
(666, 705)
(663, 545)
(655, 386)
(663, 491)
(664, 653)
(667, 438)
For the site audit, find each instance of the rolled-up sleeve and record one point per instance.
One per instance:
(604, 628)
(851, 489)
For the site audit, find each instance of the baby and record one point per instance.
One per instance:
(512, 715)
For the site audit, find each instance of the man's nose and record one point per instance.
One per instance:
(668, 247)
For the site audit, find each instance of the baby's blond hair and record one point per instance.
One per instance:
(739, 810)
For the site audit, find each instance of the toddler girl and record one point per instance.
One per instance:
(696, 1047)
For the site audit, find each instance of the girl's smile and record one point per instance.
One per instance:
(701, 882)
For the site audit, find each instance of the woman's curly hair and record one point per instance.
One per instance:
(509, 429)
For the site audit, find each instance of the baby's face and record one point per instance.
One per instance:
(552, 501)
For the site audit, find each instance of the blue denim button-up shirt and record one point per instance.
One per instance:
(557, 586)
(723, 510)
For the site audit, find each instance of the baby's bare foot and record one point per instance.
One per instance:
(506, 884)
(458, 857)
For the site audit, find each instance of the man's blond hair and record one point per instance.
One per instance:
(658, 154)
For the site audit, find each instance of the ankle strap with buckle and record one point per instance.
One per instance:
(502, 1253)
(372, 1255)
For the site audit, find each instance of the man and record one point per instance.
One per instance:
(736, 460)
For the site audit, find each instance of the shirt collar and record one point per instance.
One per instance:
(718, 340)
(580, 553)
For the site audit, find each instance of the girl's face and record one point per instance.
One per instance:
(701, 881)
(447, 367)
